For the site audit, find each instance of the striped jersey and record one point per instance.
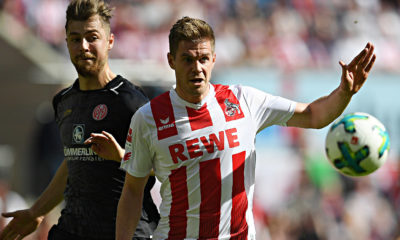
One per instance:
(204, 156)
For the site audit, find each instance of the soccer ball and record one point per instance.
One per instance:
(357, 144)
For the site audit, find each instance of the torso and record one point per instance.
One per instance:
(204, 157)
(94, 184)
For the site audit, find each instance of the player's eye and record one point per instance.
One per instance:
(188, 60)
(92, 38)
(75, 40)
(204, 59)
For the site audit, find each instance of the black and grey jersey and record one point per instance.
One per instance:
(94, 184)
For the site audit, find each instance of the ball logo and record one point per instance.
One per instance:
(99, 112)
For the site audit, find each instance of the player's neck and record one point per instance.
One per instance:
(193, 97)
(98, 81)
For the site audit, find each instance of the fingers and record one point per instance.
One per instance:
(360, 56)
(88, 141)
(8, 214)
(370, 64)
(344, 68)
(108, 135)
(367, 59)
(95, 138)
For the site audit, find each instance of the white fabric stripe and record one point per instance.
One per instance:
(226, 197)
(193, 214)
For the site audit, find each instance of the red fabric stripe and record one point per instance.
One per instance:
(210, 207)
(199, 118)
(239, 198)
(163, 115)
(179, 205)
(228, 103)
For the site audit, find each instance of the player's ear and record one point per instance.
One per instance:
(214, 57)
(171, 61)
(111, 41)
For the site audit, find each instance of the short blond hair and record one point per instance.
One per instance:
(189, 29)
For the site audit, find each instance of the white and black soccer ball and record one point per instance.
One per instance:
(357, 144)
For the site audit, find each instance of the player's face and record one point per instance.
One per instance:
(88, 45)
(193, 64)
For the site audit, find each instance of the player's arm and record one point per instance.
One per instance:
(324, 110)
(26, 221)
(130, 207)
(105, 145)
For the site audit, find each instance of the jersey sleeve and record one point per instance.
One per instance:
(137, 160)
(266, 109)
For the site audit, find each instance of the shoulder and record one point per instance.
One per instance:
(131, 94)
(238, 90)
(122, 85)
(59, 96)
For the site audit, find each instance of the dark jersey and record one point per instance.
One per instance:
(94, 184)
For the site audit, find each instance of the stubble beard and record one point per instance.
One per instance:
(91, 70)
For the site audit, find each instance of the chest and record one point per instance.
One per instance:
(200, 135)
(79, 115)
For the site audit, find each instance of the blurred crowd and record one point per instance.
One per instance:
(288, 34)
(284, 34)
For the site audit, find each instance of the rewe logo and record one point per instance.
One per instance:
(165, 123)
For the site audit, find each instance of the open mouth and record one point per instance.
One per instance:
(196, 80)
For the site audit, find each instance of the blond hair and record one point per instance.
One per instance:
(189, 29)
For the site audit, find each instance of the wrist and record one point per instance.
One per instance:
(344, 93)
(121, 153)
(33, 214)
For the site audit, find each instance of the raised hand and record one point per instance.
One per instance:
(105, 145)
(22, 224)
(356, 72)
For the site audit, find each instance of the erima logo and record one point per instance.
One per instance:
(166, 125)
(164, 121)
(231, 108)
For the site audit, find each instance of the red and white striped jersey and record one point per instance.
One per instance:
(204, 156)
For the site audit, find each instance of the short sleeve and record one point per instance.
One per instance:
(137, 160)
(266, 109)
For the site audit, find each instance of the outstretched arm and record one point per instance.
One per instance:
(130, 207)
(27, 221)
(324, 110)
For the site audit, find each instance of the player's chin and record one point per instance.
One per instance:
(87, 70)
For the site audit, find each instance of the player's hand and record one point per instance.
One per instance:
(356, 72)
(105, 145)
(22, 224)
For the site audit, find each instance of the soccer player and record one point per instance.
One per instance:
(199, 138)
(98, 100)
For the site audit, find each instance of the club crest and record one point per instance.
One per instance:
(231, 109)
(78, 133)
(100, 112)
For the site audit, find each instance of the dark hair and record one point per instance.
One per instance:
(189, 29)
(82, 10)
